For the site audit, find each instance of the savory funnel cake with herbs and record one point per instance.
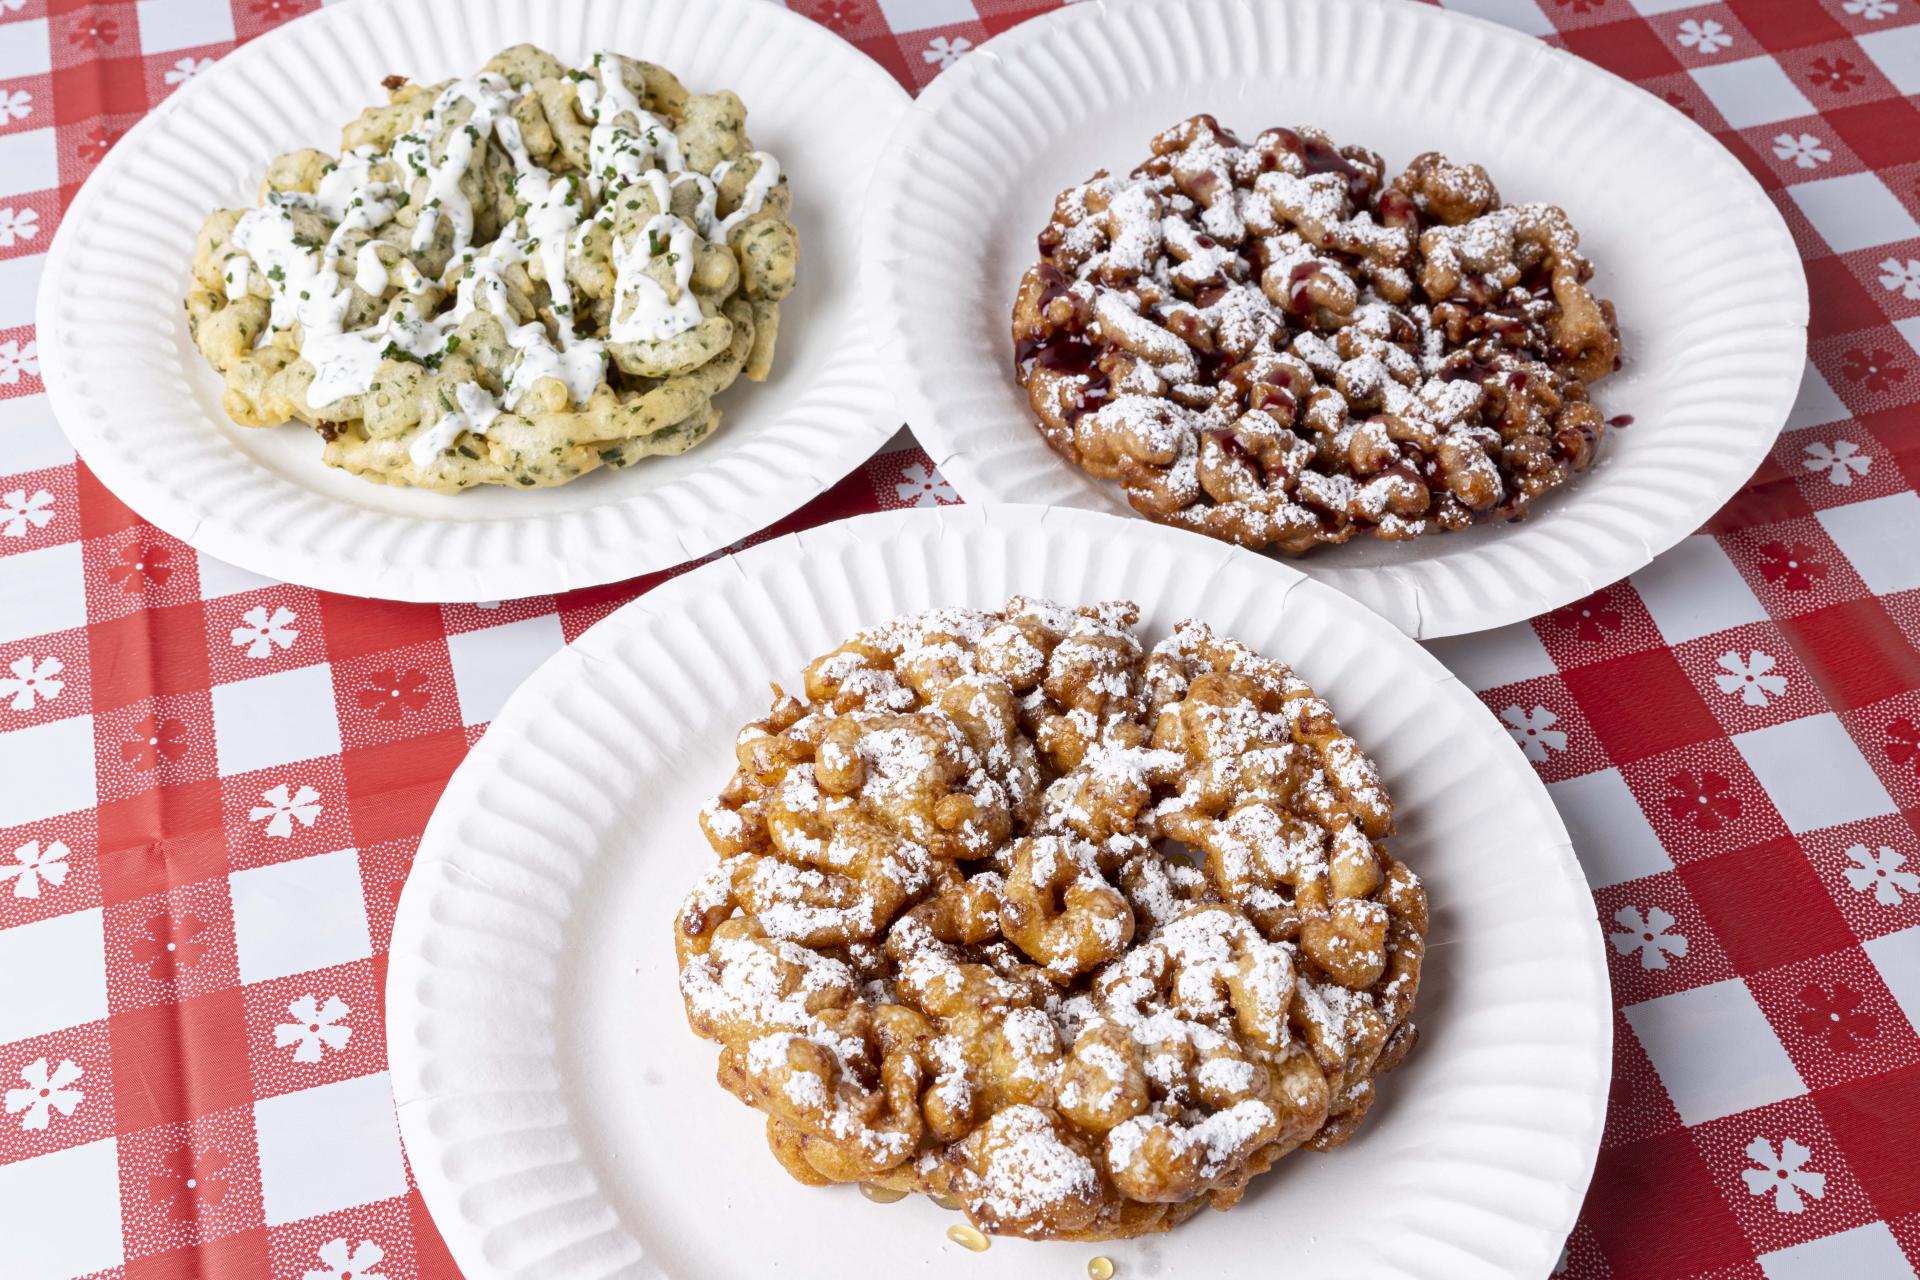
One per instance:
(1268, 342)
(1085, 937)
(511, 278)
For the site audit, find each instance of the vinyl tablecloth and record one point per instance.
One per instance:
(212, 784)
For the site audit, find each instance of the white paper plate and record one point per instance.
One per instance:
(563, 1122)
(1710, 291)
(143, 408)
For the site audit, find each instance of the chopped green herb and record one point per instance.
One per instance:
(633, 204)
(578, 76)
(465, 452)
(656, 244)
(453, 342)
(275, 273)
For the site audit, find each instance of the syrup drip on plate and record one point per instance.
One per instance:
(968, 1238)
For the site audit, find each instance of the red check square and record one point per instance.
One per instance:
(1655, 1210)
(1739, 893)
(179, 1061)
(1641, 705)
(1878, 1124)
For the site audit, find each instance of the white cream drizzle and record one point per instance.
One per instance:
(476, 412)
(628, 145)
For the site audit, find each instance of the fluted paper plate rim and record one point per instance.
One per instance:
(501, 987)
(1020, 101)
(131, 393)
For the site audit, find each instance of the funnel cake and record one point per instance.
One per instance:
(1270, 343)
(1010, 910)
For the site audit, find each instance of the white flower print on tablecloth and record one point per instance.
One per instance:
(1803, 149)
(16, 359)
(315, 1027)
(20, 511)
(1534, 731)
(340, 1262)
(46, 1091)
(33, 864)
(18, 226)
(1647, 934)
(924, 487)
(1901, 276)
(1882, 873)
(32, 680)
(1703, 35)
(15, 104)
(1871, 10)
(259, 631)
(186, 69)
(1841, 460)
(280, 807)
(1783, 1175)
(943, 52)
(1750, 679)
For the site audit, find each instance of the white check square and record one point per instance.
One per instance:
(31, 160)
(61, 970)
(1864, 1253)
(30, 440)
(183, 24)
(1493, 658)
(1813, 773)
(62, 1213)
(24, 51)
(1693, 590)
(917, 15)
(1714, 1051)
(1521, 15)
(1897, 54)
(294, 916)
(44, 591)
(218, 578)
(1881, 538)
(276, 719)
(46, 770)
(1611, 835)
(1752, 91)
(1897, 957)
(328, 1148)
(491, 663)
(19, 283)
(1854, 211)
(1817, 404)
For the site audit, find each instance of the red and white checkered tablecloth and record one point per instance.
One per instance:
(211, 784)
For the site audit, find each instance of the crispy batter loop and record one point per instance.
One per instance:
(1009, 910)
(1268, 343)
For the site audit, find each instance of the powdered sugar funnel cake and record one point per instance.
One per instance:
(1700, 269)
(562, 1121)
(1010, 910)
(1268, 342)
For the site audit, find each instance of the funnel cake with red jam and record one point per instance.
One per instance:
(1268, 342)
(1010, 910)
